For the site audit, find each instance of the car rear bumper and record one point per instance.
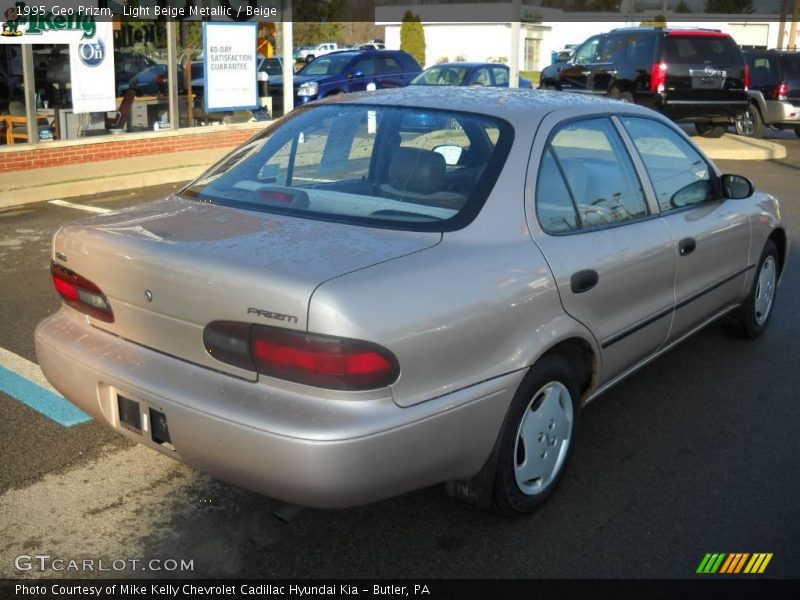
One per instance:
(300, 448)
(702, 110)
(781, 113)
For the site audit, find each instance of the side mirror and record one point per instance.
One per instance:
(563, 57)
(736, 187)
(451, 154)
(356, 74)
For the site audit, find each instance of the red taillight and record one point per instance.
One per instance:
(746, 77)
(279, 197)
(81, 294)
(318, 360)
(322, 361)
(658, 77)
(781, 91)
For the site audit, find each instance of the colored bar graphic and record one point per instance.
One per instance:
(765, 563)
(728, 564)
(732, 558)
(741, 562)
(711, 563)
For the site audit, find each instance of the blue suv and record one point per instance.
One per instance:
(348, 71)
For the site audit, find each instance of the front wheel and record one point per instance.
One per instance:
(710, 130)
(537, 438)
(750, 124)
(752, 317)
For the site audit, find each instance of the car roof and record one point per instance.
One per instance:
(520, 106)
(468, 64)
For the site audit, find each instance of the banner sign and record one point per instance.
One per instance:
(230, 66)
(91, 63)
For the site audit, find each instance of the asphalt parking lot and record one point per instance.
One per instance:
(696, 453)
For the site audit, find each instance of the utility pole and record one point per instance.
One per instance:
(782, 26)
(513, 59)
(793, 29)
(288, 61)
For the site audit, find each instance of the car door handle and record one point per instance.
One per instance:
(583, 281)
(686, 246)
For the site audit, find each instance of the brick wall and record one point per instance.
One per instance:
(44, 155)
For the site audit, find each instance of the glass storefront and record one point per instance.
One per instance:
(142, 86)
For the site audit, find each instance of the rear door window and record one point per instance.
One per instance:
(599, 175)
(500, 75)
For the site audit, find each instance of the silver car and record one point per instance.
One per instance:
(391, 290)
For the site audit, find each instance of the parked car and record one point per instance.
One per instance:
(348, 71)
(126, 65)
(343, 310)
(691, 75)
(300, 52)
(313, 52)
(774, 93)
(154, 81)
(468, 73)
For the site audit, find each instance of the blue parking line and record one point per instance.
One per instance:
(51, 405)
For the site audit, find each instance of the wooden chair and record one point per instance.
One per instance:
(17, 123)
(118, 122)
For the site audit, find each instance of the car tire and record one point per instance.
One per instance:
(537, 437)
(750, 124)
(797, 131)
(710, 130)
(618, 94)
(752, 317)
(548, 86)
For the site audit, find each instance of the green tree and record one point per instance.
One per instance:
(682, 7)
(412, 37)
(737, 7)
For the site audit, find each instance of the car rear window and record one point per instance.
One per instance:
(402, 168)
(702, 49)
(791, 65)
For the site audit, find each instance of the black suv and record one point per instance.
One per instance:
(696, 75)
(774, 92)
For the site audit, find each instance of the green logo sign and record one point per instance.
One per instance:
(38, 21)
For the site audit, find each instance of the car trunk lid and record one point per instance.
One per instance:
(171, 267)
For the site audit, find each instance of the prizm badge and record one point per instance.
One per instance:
(268, 314)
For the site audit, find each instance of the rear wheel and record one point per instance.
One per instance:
(537, 437)
(752, 317)
(710, 130)
(750, 124)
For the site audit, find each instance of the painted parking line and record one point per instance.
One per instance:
(86, 207)
(24, 381)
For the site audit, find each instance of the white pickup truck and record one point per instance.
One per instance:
(318, 50)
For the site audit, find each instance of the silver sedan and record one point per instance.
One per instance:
(391, 290)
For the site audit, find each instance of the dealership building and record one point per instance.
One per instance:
(63, 78)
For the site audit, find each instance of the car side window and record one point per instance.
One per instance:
(599, 173)
(500, 76)
(389, 66)
(482, 77)
(554, 206)
(587, 52)
(613, 50)
(366, 65)
(680, 176)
